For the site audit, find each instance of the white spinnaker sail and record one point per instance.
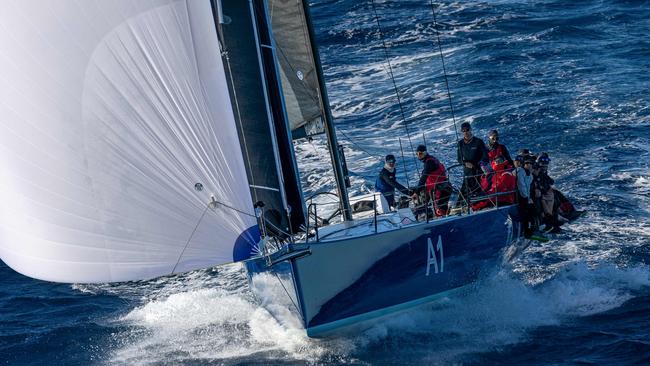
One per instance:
(110, 113)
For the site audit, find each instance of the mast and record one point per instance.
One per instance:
(329, 124)
(262, 123)
(267, 99)
(294, 203)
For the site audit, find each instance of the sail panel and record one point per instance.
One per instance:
(117, 134)
(260, 117)
(297, 68)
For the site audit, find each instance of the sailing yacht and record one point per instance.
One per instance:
(143, 139)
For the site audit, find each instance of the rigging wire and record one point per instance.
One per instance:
(350, 140)
(444, 71)
(401, 149)
(190, 238)
(213, 204)
(391, 74)
(390, 71)
(444, 68)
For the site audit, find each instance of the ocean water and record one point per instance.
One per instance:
(569, 78)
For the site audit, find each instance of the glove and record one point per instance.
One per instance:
(486, 168)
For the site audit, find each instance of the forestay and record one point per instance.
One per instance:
(112, 112)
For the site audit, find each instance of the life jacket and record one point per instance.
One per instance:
(496, 151)
(503, 180)
(486, 181)
(437, 176)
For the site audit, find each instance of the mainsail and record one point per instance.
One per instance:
(297, 67)
(119, 155)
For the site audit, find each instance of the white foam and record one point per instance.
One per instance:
(502, 310)
(579, 290)
(638, 179)
(216, 325)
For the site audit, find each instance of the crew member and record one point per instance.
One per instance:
(545, 184)
(471, 152)
(495, 148)
(433, 182)
(387, 183)
(503, 181)
(524, 197)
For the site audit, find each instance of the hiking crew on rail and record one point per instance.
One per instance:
(491, 178)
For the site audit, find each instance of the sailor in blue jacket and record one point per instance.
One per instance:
(387, 183)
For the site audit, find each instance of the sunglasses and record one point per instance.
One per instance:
(465, 130)
(390, 161)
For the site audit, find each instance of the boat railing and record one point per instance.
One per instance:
(309, 209)
(463, 204)
(468, 201)
(374, 208)
(312, 212)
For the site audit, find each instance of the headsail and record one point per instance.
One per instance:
(116, 130)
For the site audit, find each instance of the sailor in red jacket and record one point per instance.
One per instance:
(502, 187)
(433, 181)
(495, 148)
(504, 181)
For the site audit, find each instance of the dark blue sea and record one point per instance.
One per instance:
(568, 77)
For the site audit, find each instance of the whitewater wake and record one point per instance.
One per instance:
(215, 325)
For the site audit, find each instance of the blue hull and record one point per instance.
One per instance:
(344, 282)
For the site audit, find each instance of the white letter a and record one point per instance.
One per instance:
(431, 257)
